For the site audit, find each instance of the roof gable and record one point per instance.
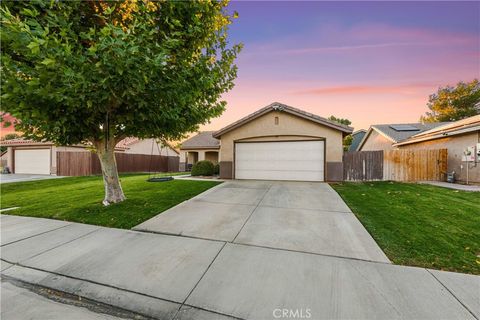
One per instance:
(203, 140)
(276, 106)
(446, 129)
(390, 132)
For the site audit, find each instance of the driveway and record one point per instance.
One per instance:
(298, 216)
(250, 250)
(14, 177)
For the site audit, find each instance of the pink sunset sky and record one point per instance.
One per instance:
(370, 62)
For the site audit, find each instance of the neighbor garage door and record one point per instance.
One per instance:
(35, 161)
(292, 160)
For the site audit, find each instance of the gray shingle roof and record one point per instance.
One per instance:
(283, 107)
(202, 140)
(357, 138)
(397, 136)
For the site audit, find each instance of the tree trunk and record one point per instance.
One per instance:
(113, 189)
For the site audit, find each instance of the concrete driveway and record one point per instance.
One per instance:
(296, 216)
(14, 177)
(251, 250)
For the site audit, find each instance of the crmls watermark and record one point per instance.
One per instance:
(292, 313)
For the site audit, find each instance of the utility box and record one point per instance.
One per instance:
(469, 154)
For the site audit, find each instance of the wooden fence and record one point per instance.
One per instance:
(363, 165)
(396, 165)
(87, 163)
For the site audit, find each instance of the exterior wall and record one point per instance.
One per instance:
(5, 158)
(212, 156)
(455, 145)
(194, 155)
(289, 127)
(145, 147)
(375, 141)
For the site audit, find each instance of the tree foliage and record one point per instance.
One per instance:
(340, 120)
(454, 103)
(75, 70)
(99, 71)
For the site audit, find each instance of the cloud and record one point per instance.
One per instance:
(337, 38)
(365, 89)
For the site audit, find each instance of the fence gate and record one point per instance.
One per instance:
(415, 165)
(363, 166)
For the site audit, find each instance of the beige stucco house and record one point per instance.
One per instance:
(30, 157)
(384, 136)
(202, 146)
(456, 137)
(280, 142)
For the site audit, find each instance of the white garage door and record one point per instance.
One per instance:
(292, 160)
(35, 161)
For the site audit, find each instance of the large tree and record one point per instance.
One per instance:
(454, 103)
(99, 71)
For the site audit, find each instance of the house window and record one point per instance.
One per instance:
(276, 120)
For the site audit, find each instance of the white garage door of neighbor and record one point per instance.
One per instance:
(35, 161)
(292, 160)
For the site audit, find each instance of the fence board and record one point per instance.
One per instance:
(87, 163)
(363, 165)
(396, 165)
(415, 165)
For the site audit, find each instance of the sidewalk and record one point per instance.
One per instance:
(456, 186)
(175, 277)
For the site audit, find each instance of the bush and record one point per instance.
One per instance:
(216, 169)
(202, 168)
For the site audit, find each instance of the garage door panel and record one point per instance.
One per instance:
(281, 175)
(34, 161)
(297, 165)
(292, 160)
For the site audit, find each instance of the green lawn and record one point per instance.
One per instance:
(79, 199)
(419, 225)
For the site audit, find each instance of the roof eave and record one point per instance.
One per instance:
(200, 148)
(288, 109)
(438, 135)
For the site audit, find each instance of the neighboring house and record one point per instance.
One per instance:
(30, 157)
(383, 136)
(4, 129)
(357, 137)
(3, 159)
(456, 137)
(279, 142)
(147, 146)
(202, 146)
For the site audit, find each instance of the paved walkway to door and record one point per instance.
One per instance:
(297, 216)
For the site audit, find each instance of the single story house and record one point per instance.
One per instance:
(384, 136)
(202, 146)
(31, 157)
(280, 142)
(357, 137)
(457, 137)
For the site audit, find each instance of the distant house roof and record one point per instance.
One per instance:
(127, 142)
(24, 142)
(397, 132)
(19, 142)
(276, 106)
(467, 125)
(357, 138)
(203, 140)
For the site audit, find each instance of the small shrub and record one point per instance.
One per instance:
(216, 169)
(202, 168)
